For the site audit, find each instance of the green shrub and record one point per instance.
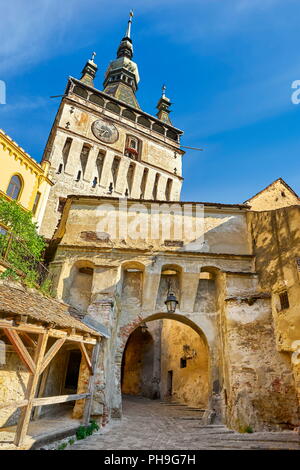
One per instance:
(62, 446)
(249, 429)
(26, 247)
(85, 431)
(81, 433)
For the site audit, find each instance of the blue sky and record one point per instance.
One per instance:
(228, 66)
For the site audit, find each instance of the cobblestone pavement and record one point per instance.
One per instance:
(152, 425)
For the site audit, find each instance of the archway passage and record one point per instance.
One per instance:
(167, 359)
(137, 364)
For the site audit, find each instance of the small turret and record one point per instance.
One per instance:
(163, 107)
(89, 71)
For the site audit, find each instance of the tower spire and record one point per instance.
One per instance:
(125, 48)
(128, 31)
(122, 76)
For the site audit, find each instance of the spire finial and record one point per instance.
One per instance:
(163, 91)
(93, 56)
(128, 32)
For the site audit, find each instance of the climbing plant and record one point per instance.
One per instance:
(20, 244)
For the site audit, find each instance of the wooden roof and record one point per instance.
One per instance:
(16, 300)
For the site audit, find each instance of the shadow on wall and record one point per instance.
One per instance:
(137, 364)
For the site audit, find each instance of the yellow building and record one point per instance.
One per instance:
(23, 179)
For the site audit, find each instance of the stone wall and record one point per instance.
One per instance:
(184, 353)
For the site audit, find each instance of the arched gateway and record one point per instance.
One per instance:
(167, 357)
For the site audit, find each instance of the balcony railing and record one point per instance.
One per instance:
(14, 255)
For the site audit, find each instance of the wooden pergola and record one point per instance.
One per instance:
(27, 331)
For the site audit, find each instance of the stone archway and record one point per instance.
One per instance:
(184, 356)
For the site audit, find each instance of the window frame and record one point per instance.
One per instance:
(21, 187)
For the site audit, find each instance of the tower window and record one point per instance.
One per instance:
(115, 169)
(168, 189)
(95, 181)
(66, 150)
(132, 147)
(78, 176)
(144, 182)
(155, 186)
(284, 300)
(60, 168)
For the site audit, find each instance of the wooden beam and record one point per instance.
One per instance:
(88, 402)
(51, 353)
(19, 347)
(30, 328)
(24, 419)
(27, 339)
(86, 357)
(59, 399)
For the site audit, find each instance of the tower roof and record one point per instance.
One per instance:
(163, 107)
(89, 71)
(122, 76)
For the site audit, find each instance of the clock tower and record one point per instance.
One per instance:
(103, 144)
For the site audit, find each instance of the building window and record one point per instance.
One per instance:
(84, 157)
(14, 187)
(155, 186)
(132, 147)
(182, 363)
(284, 300)
(115, 169)
(66, 150)
(168, 189)
(78, 176)
(36, 202)
(60, 169)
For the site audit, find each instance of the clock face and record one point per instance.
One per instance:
(105, 131)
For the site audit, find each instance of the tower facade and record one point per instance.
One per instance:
(103, 144)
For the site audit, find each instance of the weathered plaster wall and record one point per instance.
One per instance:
(276, 244)
(190, 384)
(220, 295)
(275, 196)
(13, 382)
(124, 224)
(262, 388)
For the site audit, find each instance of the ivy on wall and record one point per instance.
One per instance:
(21, 246)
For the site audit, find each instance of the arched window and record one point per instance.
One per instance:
(14, 187)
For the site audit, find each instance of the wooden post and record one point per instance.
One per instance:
(24, 419)
(44, 378)
(89, 401)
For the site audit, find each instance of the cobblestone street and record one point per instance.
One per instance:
(152, 425)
